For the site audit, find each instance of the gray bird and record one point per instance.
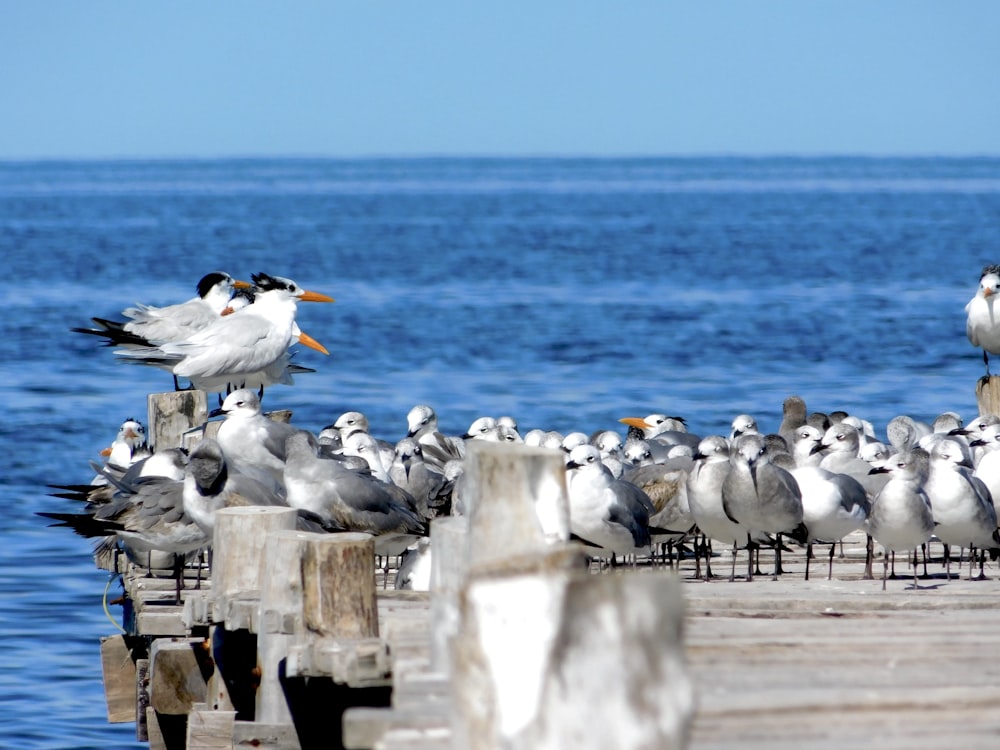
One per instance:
(900, 518)
(762, 497)
(353, 500)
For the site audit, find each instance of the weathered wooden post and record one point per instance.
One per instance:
(449, 560)
(548, 657)
(320, 584)
(988, 395)
(173, 414)
(237, 563)
(518, 500)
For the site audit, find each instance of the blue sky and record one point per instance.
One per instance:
(353, 78)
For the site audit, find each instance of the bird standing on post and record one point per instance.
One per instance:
(981, 324)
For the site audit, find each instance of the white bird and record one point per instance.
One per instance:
(841, 446)
(961, 505)
(988, 467)
(609, 443)
(151, 326)
(128, 447)
(351, 422)
(252, 443)
(608, 513)
(761, 497)
(662, 429)
(982, 321)
(237, 348)
(741, 424)
(438, 448)
(900, 518)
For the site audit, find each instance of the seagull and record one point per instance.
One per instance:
(981, 324)
(901, 517)
(438, 448)
(350, 499)
(429, 487)
(762, 497)
(961, 505)
(794, 412)
(742, 423)
(210, 485)
(608, 513)
(237, 348)
(148, 516)
(351, 422)
(252, 443)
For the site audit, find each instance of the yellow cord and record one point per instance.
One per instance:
(104, 601)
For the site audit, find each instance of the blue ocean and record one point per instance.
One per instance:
(567, 293)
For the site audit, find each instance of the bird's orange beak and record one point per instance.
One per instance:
(987, 292)
(242, 284)
(634, 422)
(308, 296)
(307, 340)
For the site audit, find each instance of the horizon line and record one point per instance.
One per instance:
(527, 156)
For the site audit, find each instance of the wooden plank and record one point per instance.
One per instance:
(176, 677)
(119, 679)
(210, 730)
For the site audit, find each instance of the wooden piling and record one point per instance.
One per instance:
(988, 395)
(449, 560)
(237, 562)
(539, 645)
(173, 414)
(518, 498)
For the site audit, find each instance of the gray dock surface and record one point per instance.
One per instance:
(799, 664)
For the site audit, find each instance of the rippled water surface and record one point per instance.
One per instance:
(567, 293)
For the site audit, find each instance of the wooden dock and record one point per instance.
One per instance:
(787, 663)
(299, 641)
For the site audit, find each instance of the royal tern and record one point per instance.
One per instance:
(761, 497)
(236, 349)
(151, 326)
(129, 445)
(900, 518)
(982, 325)
(659, 428)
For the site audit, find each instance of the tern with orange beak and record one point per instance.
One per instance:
(236, 348)
(982, 324)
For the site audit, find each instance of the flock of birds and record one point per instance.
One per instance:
(818, 478)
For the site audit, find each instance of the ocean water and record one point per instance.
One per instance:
(567, 293)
